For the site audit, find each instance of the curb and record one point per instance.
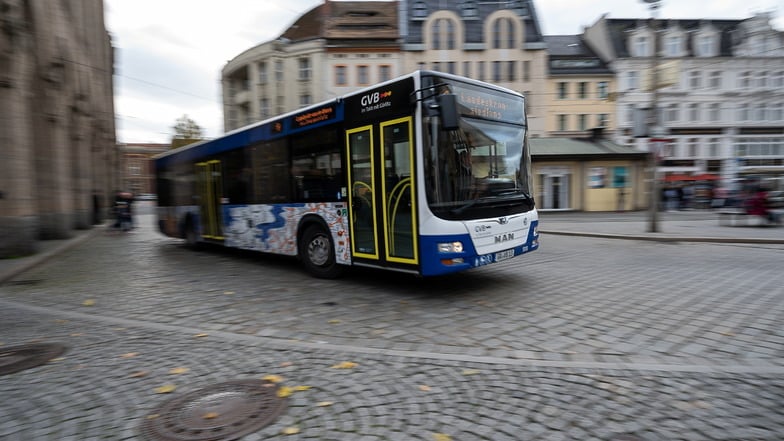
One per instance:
(23, 264)
(749, 240)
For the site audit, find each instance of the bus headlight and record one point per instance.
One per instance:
(450, 247)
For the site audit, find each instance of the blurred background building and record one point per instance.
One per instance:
(57, 133)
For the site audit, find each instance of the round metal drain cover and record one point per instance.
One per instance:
(18, 358)
(224, 411)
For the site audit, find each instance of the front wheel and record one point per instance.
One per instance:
(317, 253)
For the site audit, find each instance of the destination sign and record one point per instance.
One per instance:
(482, 104)
(314, 116)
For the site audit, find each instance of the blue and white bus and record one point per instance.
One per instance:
(429, 173)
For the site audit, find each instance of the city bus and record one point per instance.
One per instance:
(428, 173)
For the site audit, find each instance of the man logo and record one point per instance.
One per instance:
(504, 237)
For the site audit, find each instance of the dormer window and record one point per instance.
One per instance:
(419, 10)
(705, 45)
(469, 9)
(672, 46)
(641, 46)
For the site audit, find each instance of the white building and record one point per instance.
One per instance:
(720, 98)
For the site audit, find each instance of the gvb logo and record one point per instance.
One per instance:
(375, 101)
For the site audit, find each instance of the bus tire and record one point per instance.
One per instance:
(317, 253)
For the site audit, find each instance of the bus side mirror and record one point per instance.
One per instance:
(450, 117)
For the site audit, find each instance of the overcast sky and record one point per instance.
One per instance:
(169, 53)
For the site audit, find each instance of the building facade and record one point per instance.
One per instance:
(719, 94)
(56, 121)
(137, 168)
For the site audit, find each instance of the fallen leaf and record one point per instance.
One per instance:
(286, 364)
(424, 388)
(88, 302)
(210, 415)
(301, 388)
(152, 416)
(129, 355)
(61, 321)
(76, 334)
(228, 293)
(55, 360)
(284, 392)
(471, 371)
(325, 403)
(334, 322)
(139, 374)
(165, 389)
(273, 378)
(179, 370)
(201, 335)
(345, 365)
(290, 431)
(441, 437)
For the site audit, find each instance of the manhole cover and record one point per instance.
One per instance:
(224, 411)
(18, 358)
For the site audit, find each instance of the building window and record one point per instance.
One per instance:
(715, 80)
(305, 100)
(305, 69)
(673, 113)
(744, 81)
(384, 72)
(562, 123)
(563, 90)
(279, 70)
(504, 34)
(714, 112)
(713, 147)
(704, 45)
(511, 70)
(263, 78)
(526, 71)
(264, 109)
(692, 147)
(694, 112)
(695, 78)
(743, 112)
(469, 9)
(363, 77)
(481, 70)
(467, 69)
(603, 120)
(762, 79)
(632, 80)
(419, 10)
(778, 79)
(496, 71)
(443, 32)
(602, 90)
(340, 76)
(582, 90)
(672, 46)
(641, 46)
(759, 112)
(777, 112)
(583, 122)
(450, 67)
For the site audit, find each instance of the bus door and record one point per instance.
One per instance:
(381, 197)
(210, 192)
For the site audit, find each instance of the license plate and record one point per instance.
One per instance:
(503, 255)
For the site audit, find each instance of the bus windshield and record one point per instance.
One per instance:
(478, 170)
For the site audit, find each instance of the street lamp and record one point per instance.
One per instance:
(654, 145)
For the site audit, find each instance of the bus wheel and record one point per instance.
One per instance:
(318, 253)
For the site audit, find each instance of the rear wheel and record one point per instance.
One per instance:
(317, 253)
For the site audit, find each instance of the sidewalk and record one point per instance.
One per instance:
(681, 226)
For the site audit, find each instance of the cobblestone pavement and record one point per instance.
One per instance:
(585, 339)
